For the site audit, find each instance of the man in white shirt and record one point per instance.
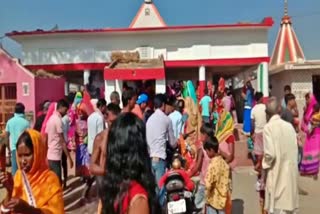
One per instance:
(96, 123)
(258, 120)
(280, 163)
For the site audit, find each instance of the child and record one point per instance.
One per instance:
(177, 167)
(201, 164)
(217, 179)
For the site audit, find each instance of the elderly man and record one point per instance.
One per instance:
(280, 163)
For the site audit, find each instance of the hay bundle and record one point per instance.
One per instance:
(125, 57)
(44, 74)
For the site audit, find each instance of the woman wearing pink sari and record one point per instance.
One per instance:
(310, 162)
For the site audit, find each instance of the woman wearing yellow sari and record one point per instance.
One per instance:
(224, 134)
(35, 189)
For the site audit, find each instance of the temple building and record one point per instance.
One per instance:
(197, 53)
(288, 65)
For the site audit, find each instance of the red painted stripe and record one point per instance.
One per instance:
(266, 23)
(134, 74)
(168, 64)
(216, 62)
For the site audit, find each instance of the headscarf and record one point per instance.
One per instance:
(45, 185)
(51, 110)
(225, 126)
(307, 117)
(87, 100)
(77, 99)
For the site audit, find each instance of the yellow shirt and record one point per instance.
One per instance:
(217, 183)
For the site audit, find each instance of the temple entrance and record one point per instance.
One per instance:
(316, 86)
(8, 98)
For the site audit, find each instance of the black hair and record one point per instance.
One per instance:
(127, 95)
(115, 95)
(62, 104)
(101, 102)
(258, 96)
(128, 160)
(114, 108)
(19, 108)
(71, 96)
(289, 97)
(180, 104)
(206, 91)
(147, 114)
(26, 139)
(159, 100)
(39, 121)
(171, 100)
(207, 129)
(211, 143)
(287, 88)
(316, 108)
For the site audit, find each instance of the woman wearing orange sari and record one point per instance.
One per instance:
(35, 189)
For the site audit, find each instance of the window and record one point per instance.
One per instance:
(25, 89)
(147, 12)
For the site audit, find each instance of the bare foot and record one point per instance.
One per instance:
(315, 177)
(302, 192)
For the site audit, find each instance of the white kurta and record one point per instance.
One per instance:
(281, 162)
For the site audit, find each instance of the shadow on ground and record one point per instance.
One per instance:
(237, 206)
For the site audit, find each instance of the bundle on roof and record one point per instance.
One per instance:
(125, 57)
(44, 74)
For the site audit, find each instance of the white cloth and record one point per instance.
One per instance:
(258, 114)
(96, 124)
(281, 162)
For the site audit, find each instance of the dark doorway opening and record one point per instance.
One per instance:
(316, 86)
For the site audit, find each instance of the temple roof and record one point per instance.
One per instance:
(148, 16)
(287, 47)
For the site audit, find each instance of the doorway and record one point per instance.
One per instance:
(316, 86)
(8, 99)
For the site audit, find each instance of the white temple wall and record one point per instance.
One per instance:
(174, 45)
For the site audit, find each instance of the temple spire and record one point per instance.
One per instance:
(287, 47)
(285, 7)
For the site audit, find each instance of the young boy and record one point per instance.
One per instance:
(201, 164)
(217, 179)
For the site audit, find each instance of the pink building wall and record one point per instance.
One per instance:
(12, 72)
(48, 89)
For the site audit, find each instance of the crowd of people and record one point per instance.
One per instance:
(128, 152)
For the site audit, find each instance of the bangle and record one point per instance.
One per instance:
(4, 210)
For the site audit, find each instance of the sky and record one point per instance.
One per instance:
(28, 15)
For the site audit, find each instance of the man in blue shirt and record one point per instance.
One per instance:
(206, 105)
(177, 119)
(14, 128)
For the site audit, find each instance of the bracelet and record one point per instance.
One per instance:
(4, 210)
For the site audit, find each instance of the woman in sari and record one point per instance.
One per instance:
(82, 155)
(247, 95)
(225, 136)
(35, 188)
(311, 150)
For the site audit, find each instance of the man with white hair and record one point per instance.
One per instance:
(280, 163)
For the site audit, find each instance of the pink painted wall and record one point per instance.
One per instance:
(12, 72)
(48, 89)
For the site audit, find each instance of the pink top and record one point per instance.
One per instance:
(204, 168)
(53, 130)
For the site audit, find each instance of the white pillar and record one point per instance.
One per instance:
(202, 81)
(263, 79)
(118, 88)
(66, 88)
(86, 75)
(161, 86)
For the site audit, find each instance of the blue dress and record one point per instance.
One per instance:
(247, 112)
